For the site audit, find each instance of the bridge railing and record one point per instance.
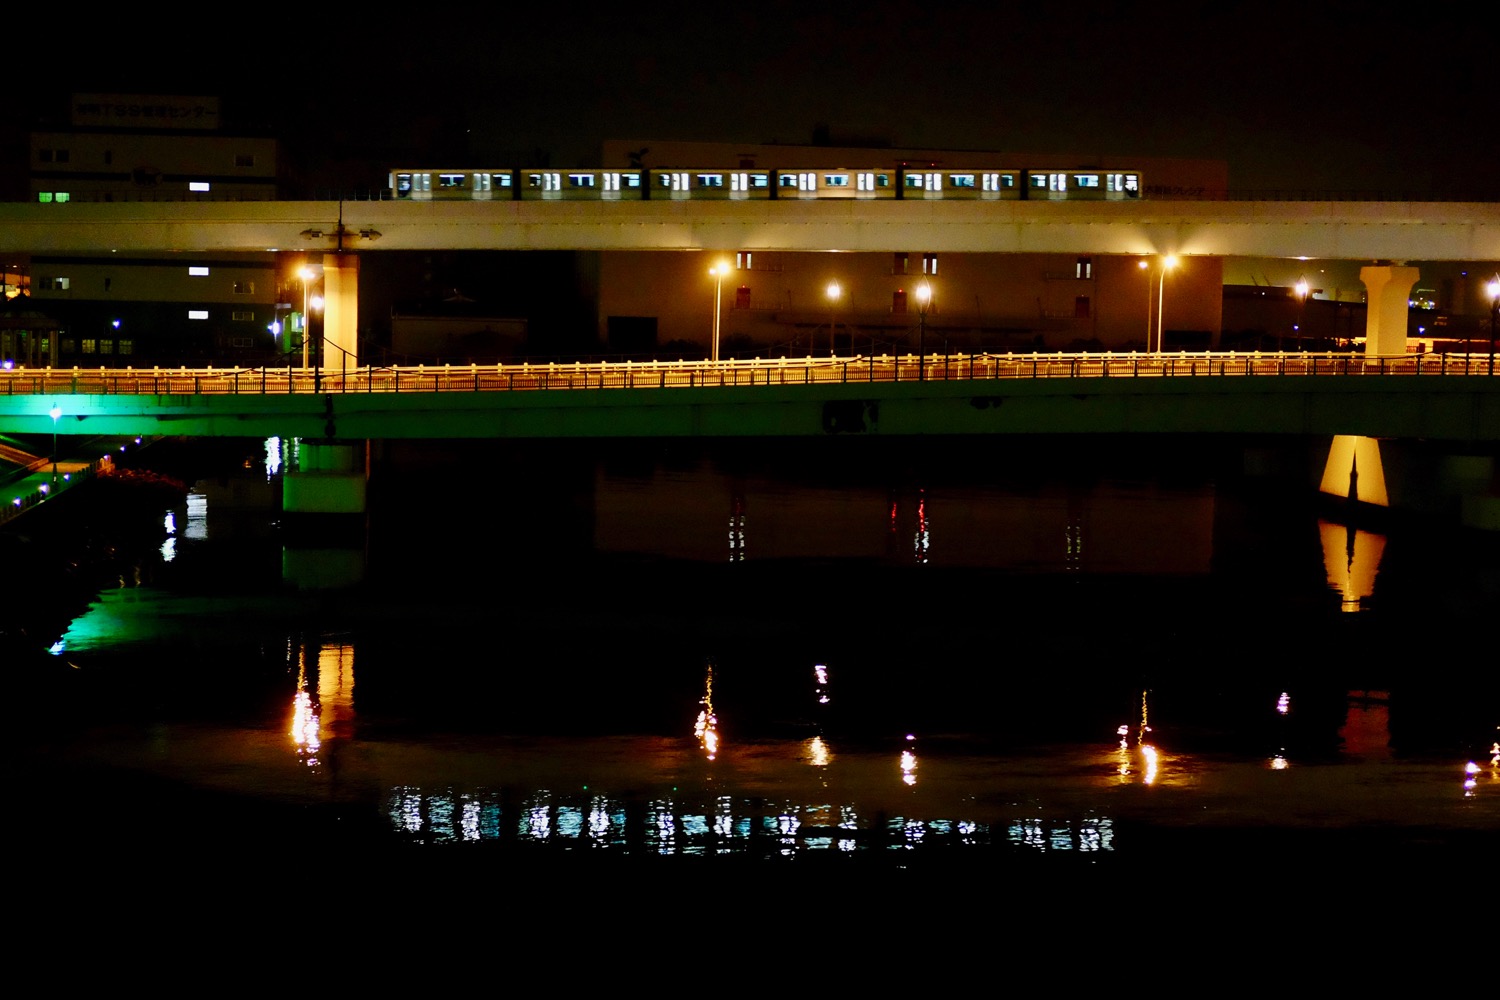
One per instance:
(746, 373)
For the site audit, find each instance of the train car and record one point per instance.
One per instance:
(580, 185)
(676, 184)
(948, 185)
(449, 185)
(1082, 185)
(837, 184)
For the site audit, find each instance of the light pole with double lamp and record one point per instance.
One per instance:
(718, 271)
(1493, 288)
(1167, 263)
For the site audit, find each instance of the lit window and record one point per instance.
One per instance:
(197, 271)
(836, 180)
(125, 347)
(1086, 180)
(929, 263)
(106, 347)
(60, 197)
(450, 180)
(898, 263)
(963, 180)
(197, 185)
(45, 197)
(710, 180)
(197, 314)
(54, 284)
(1084, 267)
(742, 260)
(90, 346)
(581, 180)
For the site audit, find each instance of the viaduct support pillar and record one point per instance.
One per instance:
(1388, 290)
(340, 312)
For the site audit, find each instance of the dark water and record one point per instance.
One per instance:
(1060, 663)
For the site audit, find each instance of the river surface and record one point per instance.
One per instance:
(1064, 660)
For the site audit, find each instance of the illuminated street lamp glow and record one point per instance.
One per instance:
(1493, 290)
(834, 291)
(54, 413)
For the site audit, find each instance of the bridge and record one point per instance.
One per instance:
(1444, 397)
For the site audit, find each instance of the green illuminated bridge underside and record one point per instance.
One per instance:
(805, 399)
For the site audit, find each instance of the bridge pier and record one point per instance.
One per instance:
(1388, 292)
(323, 500)
(340, 311)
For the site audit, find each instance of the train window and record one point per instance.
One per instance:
(450, 180)
(760, 180)
(711, 180)
(836, 180)
(403, 185)
(1086, 180)
(963, 180)
(883, 180)
(865, 181)
(788, 180)
(581, 180)
(914, 181)
(1039, 181)
(929, 263)
(611, 181)
(500, 180)
(632, 180)
(1057, 182)
(481, 182)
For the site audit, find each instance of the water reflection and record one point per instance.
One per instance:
(1351, 558)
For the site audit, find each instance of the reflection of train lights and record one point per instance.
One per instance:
(1284, 703)
(818, 754)
(305, 726)
(1279, 762)
(820, 676)
(1471, 780)
(737, 530)
(1149, 753)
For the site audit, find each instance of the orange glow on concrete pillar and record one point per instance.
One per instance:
(1388, 290)
(340, 311)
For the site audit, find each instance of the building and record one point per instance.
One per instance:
(118, 309)
(799, 303)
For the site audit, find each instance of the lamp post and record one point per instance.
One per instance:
(718, 271)
(55, 412)
(1493, 288)
(1301, 309)
(834, 291)
(924, 297)
(1145, 267)
(1167, 263)
(306, 274)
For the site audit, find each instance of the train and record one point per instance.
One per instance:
(748, 184)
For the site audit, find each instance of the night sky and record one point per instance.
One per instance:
(1295, 97)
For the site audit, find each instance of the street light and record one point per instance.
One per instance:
(833, 302)
(1167, 263)
(1145, 267)
(55, 412)
(1301, 289)
(924, 297)
(1492, 289)
(306, 274)
(718, 271)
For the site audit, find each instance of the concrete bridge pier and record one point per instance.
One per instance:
(323, 501)
(340, 311)
(1388, 292)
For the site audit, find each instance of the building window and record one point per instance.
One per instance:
(1081, 307)
(67, 345)
(242, 315)
(90, 346)
(244, 159)
(898, 263)
(197, 314)
(125, 347)
(1084, 267)
(49, 197)
(241, 342)
(52, 155)
(929, 263)
(742, 260)
(106, 347)
(108, 282)
(197, 271)
(742, 297)
(197, 185)
(53, 284)
(244, 288)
